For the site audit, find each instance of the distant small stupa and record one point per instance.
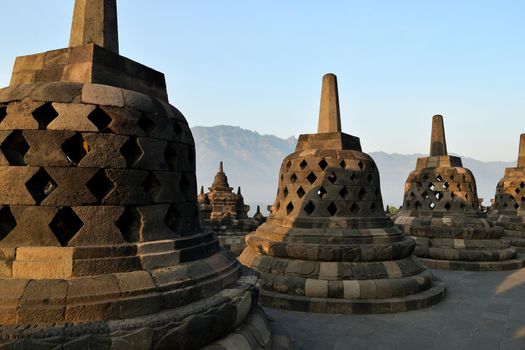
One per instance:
(441, 211)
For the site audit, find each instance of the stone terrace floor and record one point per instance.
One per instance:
(483, 310)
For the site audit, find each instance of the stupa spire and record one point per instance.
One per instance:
(95, 22)
(329, 114)
(221, 168)
(438, 143)
(521, 154)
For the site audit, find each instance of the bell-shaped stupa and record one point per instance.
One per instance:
(508, 210)
(441, 212)
(101, 245)
(328, 245)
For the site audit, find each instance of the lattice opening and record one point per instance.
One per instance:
(431, 186)
(65, 225)
(152, 186)
(100, 185)
(100, 119)
(186, 187)
(353, 177)
(419, 184)
(447, 206)
(438, 195)
(425, 177)
(41, 185)
(343, 164)
(412, 196)
(417, 205)
(445, 185)
(323, 164)
(309, 208)
(361, 165)
(129, 224)
(44, 115)
(170, 154)
(278, 206)
(303, 164)
(466, 196)
(373, 207)
(516, 206)
(7, 221)
(452, 194)
(354, 209)
(332, 178)
(300, 192)
(321, 192)
(293, 178)
(523, 199)
(146, 124)
(370, 178)
(517, 190)
(451, 177)
(288, 165)
(424, 194)
(344, 192)
(432, 205)
(75, 149)
(361, 194)
(131, 151)
(289, 208)
(3, 113)
(15, 148)
(332, 209)
(522, 184)
(311, 178)
(173, 219)
(285, 192)
(439, 178)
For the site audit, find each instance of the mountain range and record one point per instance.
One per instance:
(252, 161)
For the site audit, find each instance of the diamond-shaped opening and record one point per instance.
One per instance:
(522, 184)
(278, 206)
(452, 194)
(309, 208)
(354, 209)
(466, 196)
(44, 115)
(3, 113)
(424, 194)
(288, 165)
(100, 119)
(15, 148)
(282, 177)
(517, 190)
(417, 205)
(439, 178)
(75, 149)
(438, 195)
(41, 185)
(431, 205)
(146, 124)
(516, 206)
(412, 196)
(425, 177)
(7, 221)
(289, 208)
(321, 192)
(129, 224)
(303, 164)
(311, 178)
(323, 164)
(451, 177)
(344, 192)
(131, 151)
(343, 164)
(523, 199)
(373, 207)
(177, 129)
(152, 186)
(285, 192)
(173, 219)
(100, 185)
(370, 178)
(431, 186)
(65, 225)
(300, 192)
(447, 206)
(361, 194)
(353, 177)
(332, 178)
(185, 187)
(419, 184)
(332, 209)
(293, 178)
(170, 154)
(361, 165)
(505, 205)
(445, 185)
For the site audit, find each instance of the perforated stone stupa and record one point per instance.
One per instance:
(101, 245)
(508, 210)
(225, 213)
(441, 212)
(328, 245)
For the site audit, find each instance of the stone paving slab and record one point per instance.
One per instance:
(483, 310)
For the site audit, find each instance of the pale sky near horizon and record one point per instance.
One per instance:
(258, 65)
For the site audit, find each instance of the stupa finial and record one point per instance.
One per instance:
(329, 114)
(95, 22)
(438, 143)
(521, 154)
(221, 168)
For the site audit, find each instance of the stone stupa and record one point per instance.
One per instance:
(224, 212)
(101, 246)
(441, 212)
(508, 210)
(328, 245)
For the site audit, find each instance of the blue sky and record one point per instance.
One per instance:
(258, 64)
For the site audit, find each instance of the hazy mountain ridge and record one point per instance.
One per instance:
(252, 161)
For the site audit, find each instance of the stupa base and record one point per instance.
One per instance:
(459, 265)
(516, 239)
(421, 300)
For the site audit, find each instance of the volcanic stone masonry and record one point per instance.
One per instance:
(225, 213)
(101, 245)
(328, 245)
(441, 212)
(508, 210)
